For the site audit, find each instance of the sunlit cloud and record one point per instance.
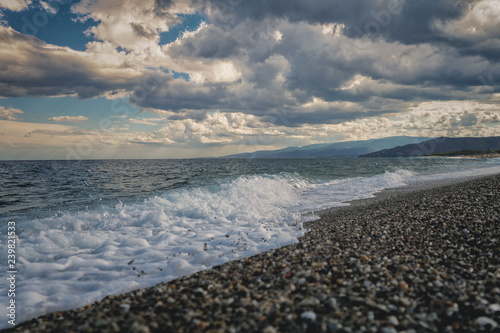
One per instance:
(15, 5)
(10, 113)
(69, 119)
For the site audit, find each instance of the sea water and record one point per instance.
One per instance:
(88, 229)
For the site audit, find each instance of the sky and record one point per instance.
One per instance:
(94, 79)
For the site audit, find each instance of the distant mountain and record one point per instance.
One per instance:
(340, 149)
(439, 145)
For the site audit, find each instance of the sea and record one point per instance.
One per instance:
(88, 229)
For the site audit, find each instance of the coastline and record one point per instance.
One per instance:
(474, 156)
(418, 258)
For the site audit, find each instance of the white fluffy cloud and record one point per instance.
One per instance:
(69, 119)
(10, 113)
(133, 25)
(15, 5)
(128, 24)
(146, 121)
(48, 8)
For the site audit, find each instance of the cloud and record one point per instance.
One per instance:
(371, 76)
(288, 63)
(50, 9)
(20, 133)
(452, 118)
(478, 30)
(129, 24)
(66, 132)
(405, 21)
(30, 67)
(225, 133)
(10, 113)
(149, 121)
(69, 119)
(214, 130)
(467, 119)
(15, 5)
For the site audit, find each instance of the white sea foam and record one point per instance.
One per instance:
(337, 192)
(74, 259)
(489, 167)
(77, 258)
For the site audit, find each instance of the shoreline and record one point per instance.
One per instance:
(395, 192)
(392, 262)
(474, 156)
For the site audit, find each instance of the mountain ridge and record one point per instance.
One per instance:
(332, 150)
(439, 145)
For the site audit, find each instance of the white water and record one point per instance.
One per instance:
(74, 259)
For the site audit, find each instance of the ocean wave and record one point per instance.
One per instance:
(68, 260)
(75, 258)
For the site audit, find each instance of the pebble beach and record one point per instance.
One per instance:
(409, 260)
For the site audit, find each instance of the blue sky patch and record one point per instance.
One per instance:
(40, 109)
(59, 29)
(191, 22)
(177, 75)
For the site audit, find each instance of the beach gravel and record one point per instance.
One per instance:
(406, 261)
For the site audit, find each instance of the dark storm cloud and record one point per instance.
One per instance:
(179, 95)
(409, 22)
(162, 6)
(211, 43)
(29, 67)
(321, 11)
(320, 65)
(404, 21)
(412, 15)
(329, 116)
(141, 31)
